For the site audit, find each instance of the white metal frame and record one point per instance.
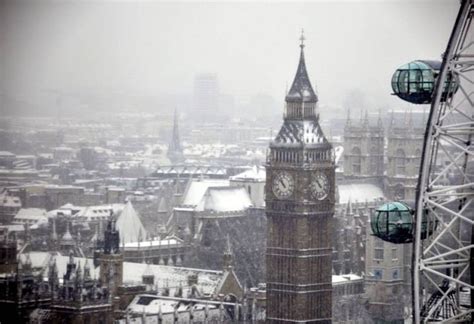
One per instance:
(446, 188)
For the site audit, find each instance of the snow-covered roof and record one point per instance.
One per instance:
(101, 211)
(346, 278)
(165, 276)
(144, 309)
(224, 199)
(30, 214)
(297, 132)
(198, 188)
(167, 242)
(359, 192)
(256, 173)
(130, 226)
(173, 277)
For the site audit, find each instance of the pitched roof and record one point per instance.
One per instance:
(130, 226)
(34, 214)
(197, 189)
(256, 173)
(301, 89)
(224, 199)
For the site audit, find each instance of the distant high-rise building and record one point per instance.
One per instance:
(206, 96)
(300, 198)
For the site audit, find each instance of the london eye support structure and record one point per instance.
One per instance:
(443, 276)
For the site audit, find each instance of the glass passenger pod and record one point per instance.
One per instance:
(415, 81)
(394, 222)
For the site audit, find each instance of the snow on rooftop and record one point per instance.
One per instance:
(198, 188)
(225, 199)
(359, 192)
(167, 242)
(33, 214)
(165, 276)
(256, 173)
(341, 279)
(129, 225)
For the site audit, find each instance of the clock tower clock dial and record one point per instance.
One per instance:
(319, 186)
(283, 185)
(299, 207)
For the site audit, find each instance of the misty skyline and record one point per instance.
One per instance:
(157, 48)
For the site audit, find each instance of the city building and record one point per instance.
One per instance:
(206, 97)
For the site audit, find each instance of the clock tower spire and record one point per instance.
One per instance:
(300, 206)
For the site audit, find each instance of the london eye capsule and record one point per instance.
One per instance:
(393, 222)
(415, 82)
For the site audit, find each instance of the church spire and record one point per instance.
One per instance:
(301, 89)
(175, 151)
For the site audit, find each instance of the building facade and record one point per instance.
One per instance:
(363, 149)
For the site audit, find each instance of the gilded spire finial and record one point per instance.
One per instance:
(302, 38)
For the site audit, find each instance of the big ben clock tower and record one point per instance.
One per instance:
(300, 206)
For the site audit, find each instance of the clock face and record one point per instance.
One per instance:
(283, 185)
(319, 186)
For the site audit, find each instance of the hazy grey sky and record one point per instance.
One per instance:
(157, 48)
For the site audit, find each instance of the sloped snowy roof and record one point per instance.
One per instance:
(130, 226)
(165, 276)
(100, 211)
(224, 199)
(301, 89)
(307, 132)
(32, 214)
(256, 173)
(198, 188)
(359, 192)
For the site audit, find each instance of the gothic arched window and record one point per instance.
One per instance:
(356, 160)
(400, 162)
(374, 168)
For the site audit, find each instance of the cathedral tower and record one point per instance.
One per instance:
(300, 206)
(175, 151)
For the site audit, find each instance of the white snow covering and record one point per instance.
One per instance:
(168, 242)
(165, 276)
(144, 310)
(30, 216)
(256, 173)
(225, 199)
(359, 192)
(198, 188)
(130, 226)
(341, 279)
(310, 133)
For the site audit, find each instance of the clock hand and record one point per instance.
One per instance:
(283, 183)
(319, 183)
